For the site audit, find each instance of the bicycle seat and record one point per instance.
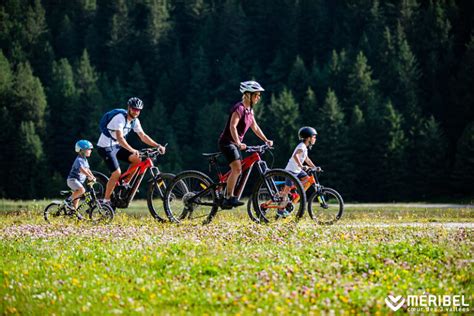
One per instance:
(212, 155)
(65, 192)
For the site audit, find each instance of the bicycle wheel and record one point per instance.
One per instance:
(190, 196)
(268, 202)
(325, 207)
(100, 185)
(101, 213)
(156, 193)
(251, 211)
(55, 212)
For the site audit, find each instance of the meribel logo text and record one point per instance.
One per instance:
(429, 302)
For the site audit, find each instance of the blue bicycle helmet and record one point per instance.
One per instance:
(83, 145)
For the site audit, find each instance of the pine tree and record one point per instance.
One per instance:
(361, 85)
(209, 124)
(330, 150)
(358, 147)
(431, 164)
(298, 80)
(6, 78)
(463, 171)
(308, 109)
(279, 122)
(24, 175)
(29, 100)
(62, 125)
(136, 84)
(89, 97)
(386, 157)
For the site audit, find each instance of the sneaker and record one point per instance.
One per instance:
(231, 202)
(283, 213)
(78, 215)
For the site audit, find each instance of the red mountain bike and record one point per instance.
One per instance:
(194, 195)
(125, 191)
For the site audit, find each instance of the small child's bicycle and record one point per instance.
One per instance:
(89, 206)
(325, 205)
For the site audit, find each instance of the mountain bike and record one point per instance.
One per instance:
(125, 191)
(89, 206)
(194, 195)
(325, 205)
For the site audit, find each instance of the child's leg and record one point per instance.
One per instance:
(78, 189)
(76, 195)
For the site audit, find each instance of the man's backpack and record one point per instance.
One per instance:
(105, 120)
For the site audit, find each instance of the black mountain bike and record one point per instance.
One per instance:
(89, 206)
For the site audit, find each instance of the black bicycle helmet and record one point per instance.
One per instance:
(307, 131)
(135, 103)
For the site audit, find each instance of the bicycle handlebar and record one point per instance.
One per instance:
(258, 149)
(150, 152)
(315, 170)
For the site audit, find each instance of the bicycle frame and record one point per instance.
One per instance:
(247, 167)
(138, 172)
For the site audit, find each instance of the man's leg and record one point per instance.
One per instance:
(111, 184)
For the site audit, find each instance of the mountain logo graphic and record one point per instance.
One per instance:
(394, 302)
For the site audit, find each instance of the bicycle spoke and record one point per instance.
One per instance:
(156, 193)
(186, 196)
(272, 203)
(325, 207)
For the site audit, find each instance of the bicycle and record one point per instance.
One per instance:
(125, 191)
(89, 205)
(194, 195)
(325, 205)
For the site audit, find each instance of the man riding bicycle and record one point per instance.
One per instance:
(112, 145)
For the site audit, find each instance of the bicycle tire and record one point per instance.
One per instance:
(155, 202)
(54, 212)
(266, 208)
(101, 213)
(327, 212)
(184, 187)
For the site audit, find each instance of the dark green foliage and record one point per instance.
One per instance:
(463, 173)
(387, 84)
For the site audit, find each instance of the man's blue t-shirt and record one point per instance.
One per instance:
(75, 172)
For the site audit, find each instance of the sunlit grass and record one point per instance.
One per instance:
(232, 266)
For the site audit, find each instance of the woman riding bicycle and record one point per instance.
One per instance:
(241, 117)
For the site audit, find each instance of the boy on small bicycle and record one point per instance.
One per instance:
(296, 166)
(80, 171)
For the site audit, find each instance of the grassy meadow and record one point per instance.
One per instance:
(232, 266)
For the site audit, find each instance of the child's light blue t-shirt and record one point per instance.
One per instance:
(75, 172)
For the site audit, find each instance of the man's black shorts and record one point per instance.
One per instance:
(231, 152)
(112, 154)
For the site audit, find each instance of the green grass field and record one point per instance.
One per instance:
(232, 266)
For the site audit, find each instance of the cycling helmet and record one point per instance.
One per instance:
(250, 86)
(306, 131)
(83, 145)
(135, 103)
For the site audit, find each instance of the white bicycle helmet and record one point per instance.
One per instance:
(250, 86)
